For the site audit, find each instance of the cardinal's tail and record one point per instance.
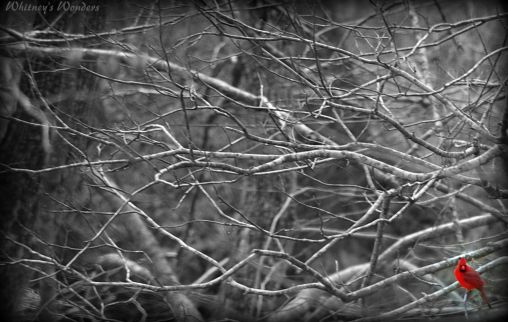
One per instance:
(484, 297)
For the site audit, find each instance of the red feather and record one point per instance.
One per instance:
(470, 279)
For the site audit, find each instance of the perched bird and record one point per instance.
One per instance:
(470, 279)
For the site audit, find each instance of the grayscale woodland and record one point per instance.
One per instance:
(252, 160)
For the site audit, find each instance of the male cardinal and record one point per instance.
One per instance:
(470, 279)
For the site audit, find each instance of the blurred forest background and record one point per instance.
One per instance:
(252, 160)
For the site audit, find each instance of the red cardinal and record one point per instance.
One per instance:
(470, 279)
